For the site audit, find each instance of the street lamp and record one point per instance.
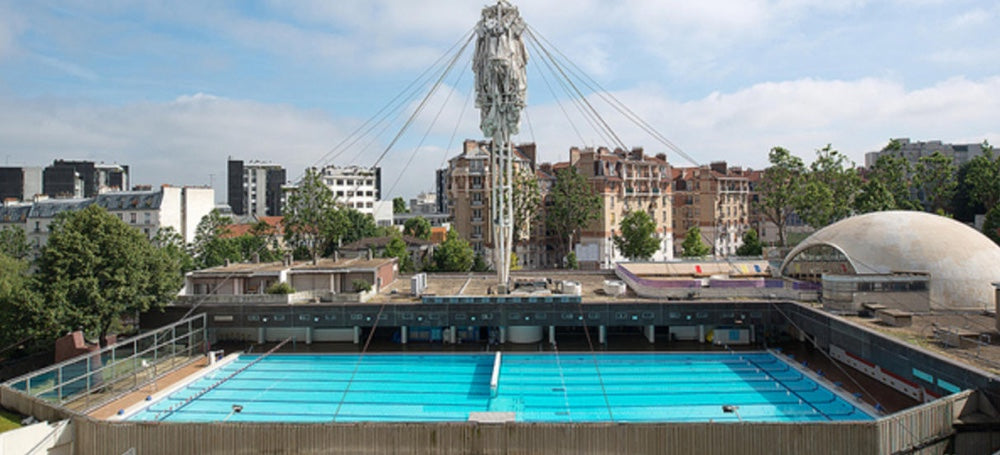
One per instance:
(731, 409)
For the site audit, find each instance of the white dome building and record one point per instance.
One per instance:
(961, 263)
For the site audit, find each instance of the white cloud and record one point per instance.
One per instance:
(802, 115)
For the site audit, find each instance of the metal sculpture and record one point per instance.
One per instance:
(501, 87)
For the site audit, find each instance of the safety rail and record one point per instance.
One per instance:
(93, 379)
(209, 388)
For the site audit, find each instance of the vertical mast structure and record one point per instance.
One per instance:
(499, 64)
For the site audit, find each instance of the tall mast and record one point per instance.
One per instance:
(501, 88)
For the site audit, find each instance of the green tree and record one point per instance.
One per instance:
(751, 244)
(893, 172)
(777, 188)
(418, 227)
(398, 205)
(313, 224)
(211, 247)
(527, 201)
(14, 242)
(454, 254)
(571, 261)
(21, 310)
(638, 238)
(479, 263)
(991, 225)
(396, 248)
(693, 246)
(96, 268)
(935, 181)
(962, 203)
(829, 189)
(874, 197)
(983, 177)
(572, 204)
(172, 244)
(359, 226)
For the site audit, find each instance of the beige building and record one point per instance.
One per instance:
(716, 198)
(469, 191)
(625, 181)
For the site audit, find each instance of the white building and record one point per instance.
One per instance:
(255, 187)
(180, 208)
(354, 186)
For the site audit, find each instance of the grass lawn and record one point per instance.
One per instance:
(9, 421)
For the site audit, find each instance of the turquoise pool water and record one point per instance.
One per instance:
(659, 387)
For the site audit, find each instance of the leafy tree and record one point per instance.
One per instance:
(991, 225)
(479, 263)
(573, 204)
(962, 203)
(874, 197)
(172, 244)
(829, 189)
(527, 201)
(935, 181)
(359, 226)
(313, 224)
(778, 186)
(571, 261)
(983, 177)
(210, 247)
(96, 268)
(399, 205)
(396, 248)
(454, 254)
(751, 244)
(893, 172)
(418, 227)
(638, 239)
(693, 246)
(14, 242)
(21, 310)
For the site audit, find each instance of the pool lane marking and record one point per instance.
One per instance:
(202, 392)
(787, 388)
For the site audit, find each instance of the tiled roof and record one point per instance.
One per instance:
(130, 200)
(14, 214)
(53, 207)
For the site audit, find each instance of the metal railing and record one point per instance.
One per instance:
(90, 380)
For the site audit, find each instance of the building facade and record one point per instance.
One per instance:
(716, 199)
(179, 208)
(626, 181)
(255, 188)
(354, 186)
(20, 183)
(469, 192)
(913, 151)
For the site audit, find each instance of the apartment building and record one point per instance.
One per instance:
(716, 199)
(180, 208)
(913, 151)
(20, 183)
(254, 188)
(468, 191)
(626, 181)
(354, 186)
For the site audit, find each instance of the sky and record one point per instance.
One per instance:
(174, 89)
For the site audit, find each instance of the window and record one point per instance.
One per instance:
(132, 217)
(147, 217)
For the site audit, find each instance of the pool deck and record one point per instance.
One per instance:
(111, 409)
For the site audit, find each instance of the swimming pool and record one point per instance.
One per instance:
(565, 387)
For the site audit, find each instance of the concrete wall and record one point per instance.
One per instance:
(40, 438)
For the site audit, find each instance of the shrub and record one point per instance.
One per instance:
(280, 288)
(360, 285)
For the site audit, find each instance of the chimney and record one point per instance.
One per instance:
(336, 256)
(369, 255)
(256, 258)
(227, 262)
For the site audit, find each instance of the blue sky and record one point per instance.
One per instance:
(174, 88)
